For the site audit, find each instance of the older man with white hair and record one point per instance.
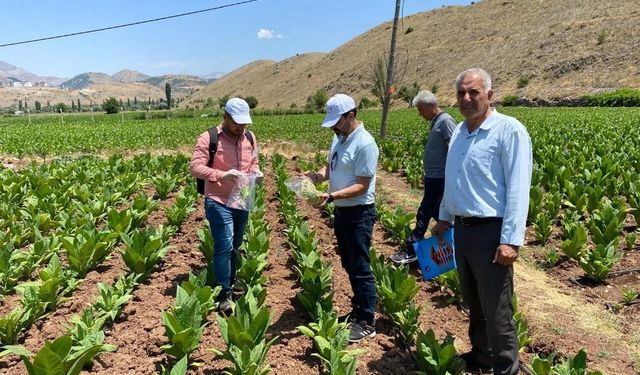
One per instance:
(486, 195)
(434, 157)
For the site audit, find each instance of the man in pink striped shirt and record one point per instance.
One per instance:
(236, 155)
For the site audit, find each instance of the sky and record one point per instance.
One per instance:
(217, 41)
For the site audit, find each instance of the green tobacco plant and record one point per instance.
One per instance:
(543, 225)
(551, 257)
(206, 296)
(407, 322)
(164, 184)
(522, 326)
(59, 357)
(435, 358)
(183, 325)
(597, 263)
(250, 270)
(87, 249)
(143, 250)
(629, 295)
(244, 332)
(606, 223)
(574, 244)
(179, 368)
(119, 221)
(140, 208)
(113, 298)
(12, 324)
(571, 366)
(330, 340)
(316, 278)
(206, 243)
(397, 222)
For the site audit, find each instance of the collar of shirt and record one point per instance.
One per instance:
(487, 124)
(433, 120)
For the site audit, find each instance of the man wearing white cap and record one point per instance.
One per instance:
(234, 156)
(351, 172)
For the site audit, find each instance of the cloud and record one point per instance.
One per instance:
(268, 34)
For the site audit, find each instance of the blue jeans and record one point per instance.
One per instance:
(227, 229)
(353, 227)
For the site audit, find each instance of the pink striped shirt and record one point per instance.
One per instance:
(231, 154)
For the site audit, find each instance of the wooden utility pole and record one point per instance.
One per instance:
(387, 86)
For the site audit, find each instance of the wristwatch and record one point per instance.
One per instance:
(330, 198)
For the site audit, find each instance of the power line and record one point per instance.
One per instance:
(127, 24)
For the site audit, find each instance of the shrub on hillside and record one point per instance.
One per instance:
(509, 100)
(111, 105)
(618, 98)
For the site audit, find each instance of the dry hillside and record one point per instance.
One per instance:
(564, 48)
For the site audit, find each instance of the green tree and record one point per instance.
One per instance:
(61, 107)
(20, 105)
(79, 107)
(135, 100)
(167, 93)
(408, 93)
(319, 99)
(111, 105)
(209, 103)
(252, 101)
(378, 78)
(38, 106)
(73, 106)
(128, 103)
(223, 100)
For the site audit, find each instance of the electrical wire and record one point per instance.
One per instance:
(128, 24)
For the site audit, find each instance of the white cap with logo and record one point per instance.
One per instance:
(338, 105)
(238, 109)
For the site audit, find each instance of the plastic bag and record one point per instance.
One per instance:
(243, 194)
(304, 189)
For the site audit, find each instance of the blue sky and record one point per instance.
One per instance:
(217, 41)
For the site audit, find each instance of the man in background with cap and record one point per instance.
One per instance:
(236, 155)
(351, 172)
(434, 157)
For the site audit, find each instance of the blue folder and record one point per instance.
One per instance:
(436, 258)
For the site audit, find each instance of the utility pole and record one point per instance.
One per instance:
(387, 86)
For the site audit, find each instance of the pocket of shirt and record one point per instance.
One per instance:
(480, 162)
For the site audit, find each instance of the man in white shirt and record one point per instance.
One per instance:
(351, 172)
(486, 195)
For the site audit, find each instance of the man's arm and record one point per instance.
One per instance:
(517, 164)
(199, 159)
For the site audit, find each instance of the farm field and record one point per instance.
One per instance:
(107, 181)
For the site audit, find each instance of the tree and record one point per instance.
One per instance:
(111, 105)
(378, 78)
(20, 105)
(48, 104)
(128, 103)
(408, 93)
(73, 106)
(167, 92)
(209, 102)
(319, 99)
(252, 101)
(222, 101)
(79, 108)
(38, 106)
(61, 107)
(135, 100)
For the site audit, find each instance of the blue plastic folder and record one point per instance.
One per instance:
(435, 258)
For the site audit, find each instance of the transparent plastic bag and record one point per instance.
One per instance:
(304, 189)
(243, 194)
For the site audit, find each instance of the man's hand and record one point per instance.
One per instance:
(231, 175)
(506, 254)
(324, 200)
(439, 229)
(259, 176)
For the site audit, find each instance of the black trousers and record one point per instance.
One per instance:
(487, 289)
(429, 206)
(353, 227)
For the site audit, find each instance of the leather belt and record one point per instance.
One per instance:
(472, 220)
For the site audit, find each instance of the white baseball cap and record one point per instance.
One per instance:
(338, 105)
(238, 109)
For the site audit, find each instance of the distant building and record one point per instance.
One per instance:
(17, 84)
(27, 84)
(41, 84)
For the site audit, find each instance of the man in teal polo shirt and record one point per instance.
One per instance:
(351, 172)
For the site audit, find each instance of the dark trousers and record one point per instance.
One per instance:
(429, 206)
(487, 289)
(353, 227)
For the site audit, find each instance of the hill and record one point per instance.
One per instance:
(11, 73)
(84, 80)
(128, 76)
(547, 49)
(180, 83)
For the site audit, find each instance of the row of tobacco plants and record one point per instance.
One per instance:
(92, 209)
